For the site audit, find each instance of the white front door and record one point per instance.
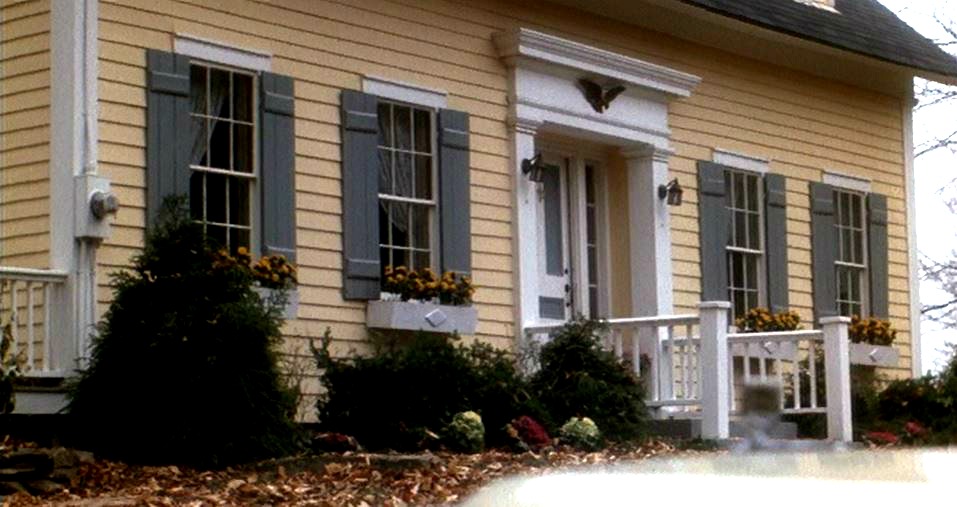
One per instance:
(556, 293)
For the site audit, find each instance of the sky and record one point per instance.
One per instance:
(934, 172)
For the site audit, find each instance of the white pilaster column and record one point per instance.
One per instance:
(524, 225)
(649, 222)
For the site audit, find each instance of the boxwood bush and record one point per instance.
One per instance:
(184, 363)
(578, 377)
(403, 394)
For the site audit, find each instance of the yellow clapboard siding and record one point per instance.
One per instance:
(25, 133)
(804, 124)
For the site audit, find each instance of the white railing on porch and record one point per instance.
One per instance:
(695, 367)
(31, 303)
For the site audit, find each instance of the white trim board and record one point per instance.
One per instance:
(405, 92)
(740, 161)
(221, 52)
(846, 181)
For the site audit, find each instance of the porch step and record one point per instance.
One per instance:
(39, 395)
(691, 428)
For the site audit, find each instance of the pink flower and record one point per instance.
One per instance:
(882, 437)
(915, 429)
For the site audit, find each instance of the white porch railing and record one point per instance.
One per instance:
(30, 304)
(695, 366)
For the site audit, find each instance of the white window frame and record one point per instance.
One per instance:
(255, 226)
(434, 243)
(864, 268)
(762, 240)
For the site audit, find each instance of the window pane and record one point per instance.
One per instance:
(219, 145)
(238, 238)
(216, 198)
(243, 97)
(423, 131)
(738, 280)
(400, 257)
(399, 223)
(592, 302)
(384, 259)
(420, 227)
(846, 245)
(239, 202)
(740, 229)
(739, 191)
(856, 202)
(243, 148)
(423, 176)
(385, 124)
(197, 89)
(754, 231)
(591, 225)
(403, 174)
(200, 140)
(592, 265)
(219, 93)
(385, 171)
(751, 279)
(403, 127)
(752, 192)
(589, 184)
(421, 260)
(384, 229)
(217, 235)
(196, 195)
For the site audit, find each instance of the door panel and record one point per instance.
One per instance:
(555, 289)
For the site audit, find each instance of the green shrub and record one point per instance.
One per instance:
(465, 433)
(403, 392)
(9, 369)
(577, 377)
(184, 363)
(582, 433)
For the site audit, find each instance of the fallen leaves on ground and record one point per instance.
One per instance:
(348, 479)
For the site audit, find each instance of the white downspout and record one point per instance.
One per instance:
(73, 165)
(910, 183)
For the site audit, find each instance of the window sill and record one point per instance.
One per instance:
(419, 316)
(291, 310)
(874, 355)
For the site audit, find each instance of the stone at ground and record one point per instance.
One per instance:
(40, 471)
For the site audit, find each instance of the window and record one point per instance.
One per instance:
(223, 155)
(851, 261)
(591, 239)
(407, 193)
(745, 250)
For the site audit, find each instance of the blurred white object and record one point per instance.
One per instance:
(871, 478)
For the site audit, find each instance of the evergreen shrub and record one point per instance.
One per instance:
(184, 363)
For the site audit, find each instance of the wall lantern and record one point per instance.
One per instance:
(534, 168)
(672, 192)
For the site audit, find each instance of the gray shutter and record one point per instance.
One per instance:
(776, 241)
(824, 250)
(877, 254)
(360, 196)
(278, 167)
(169, 131)
(454, 192)
(713, 222)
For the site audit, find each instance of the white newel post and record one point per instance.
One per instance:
(649, 222)
(837, 368)
(715, 394)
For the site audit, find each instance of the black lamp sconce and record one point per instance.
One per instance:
(672, 192)
(534, 168)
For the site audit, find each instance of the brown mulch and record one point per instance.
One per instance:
(349, 479)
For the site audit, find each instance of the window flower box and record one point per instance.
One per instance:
(874, 355)
(291, 310)
(421, 316)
